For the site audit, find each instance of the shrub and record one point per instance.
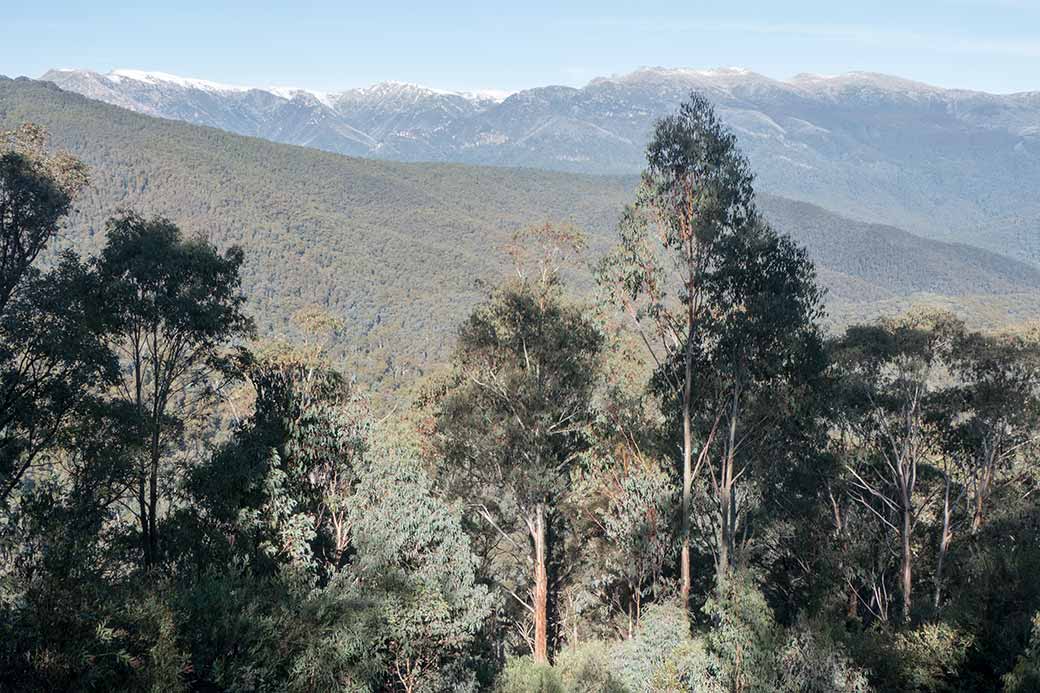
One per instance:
(690, 668)
(931, 655)
(1026, 674)
(524, 675)
(586, 668)
(662, 630)
(810, 661)
(744, 637)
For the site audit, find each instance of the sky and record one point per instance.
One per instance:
(989, 45)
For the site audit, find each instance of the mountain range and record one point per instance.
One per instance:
(945, 163)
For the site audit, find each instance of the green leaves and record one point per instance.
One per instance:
(161, 281)
(525, 367)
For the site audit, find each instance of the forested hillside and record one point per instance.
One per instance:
(394, 249)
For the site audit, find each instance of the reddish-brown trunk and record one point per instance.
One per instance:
(978, 514)
(851, 604)
(541, 590)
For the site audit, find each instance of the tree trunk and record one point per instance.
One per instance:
(142, 499)
(687, 467)
(906, 567)
(142, 508)
(727, 507)
(724, 531)
(153, 499)
(541, 589)
(981, 494)
(851, 603)
(944, 543)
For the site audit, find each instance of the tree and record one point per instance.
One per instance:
(1026, 674)
(888, 372)
(178, 303)
(511, 423)
(52, 325)
(36, 192)
(302, 497)
(630, 511)
(624, 500)
(54, 360)
(282, 484)
(411, 546)
(758, 358)
(695, 193)
(989, 417)
(999, 405)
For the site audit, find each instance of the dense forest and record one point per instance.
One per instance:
(675, 481)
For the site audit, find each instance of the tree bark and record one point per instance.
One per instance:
(727, 506)
(944, 542)
(906, 566)
(541, 589)
(687, 465)
(982, 493)
(153, 499)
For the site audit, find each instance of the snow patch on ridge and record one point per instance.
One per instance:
(156, 78)
(288, 93)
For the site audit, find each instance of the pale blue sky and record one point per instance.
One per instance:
(993, 45)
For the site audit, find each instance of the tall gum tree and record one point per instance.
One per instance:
(888, 374)
(53, 356)
(759, 357)
(179, 302)
(989, 417)
(696, 192)
(512, 421)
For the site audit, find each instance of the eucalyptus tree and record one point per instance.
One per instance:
(511, 422)
(409, 548)
(693, 208)
(760, 359)
(178, 303)
(53, 355)
(989, 418)
(624, 502)
(888, 374)
(37, 189)
(998, 392)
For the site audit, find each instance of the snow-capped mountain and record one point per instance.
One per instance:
(390, 120)
(875, 147)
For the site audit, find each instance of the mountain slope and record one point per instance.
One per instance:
(944, 163)
(395, 248)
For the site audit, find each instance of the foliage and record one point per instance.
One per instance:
(663, 629)
(1026, 674)
(811, 660)
(588, 668)
(410, 547)
(931, 655)
(524, 675)
(512, 423)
